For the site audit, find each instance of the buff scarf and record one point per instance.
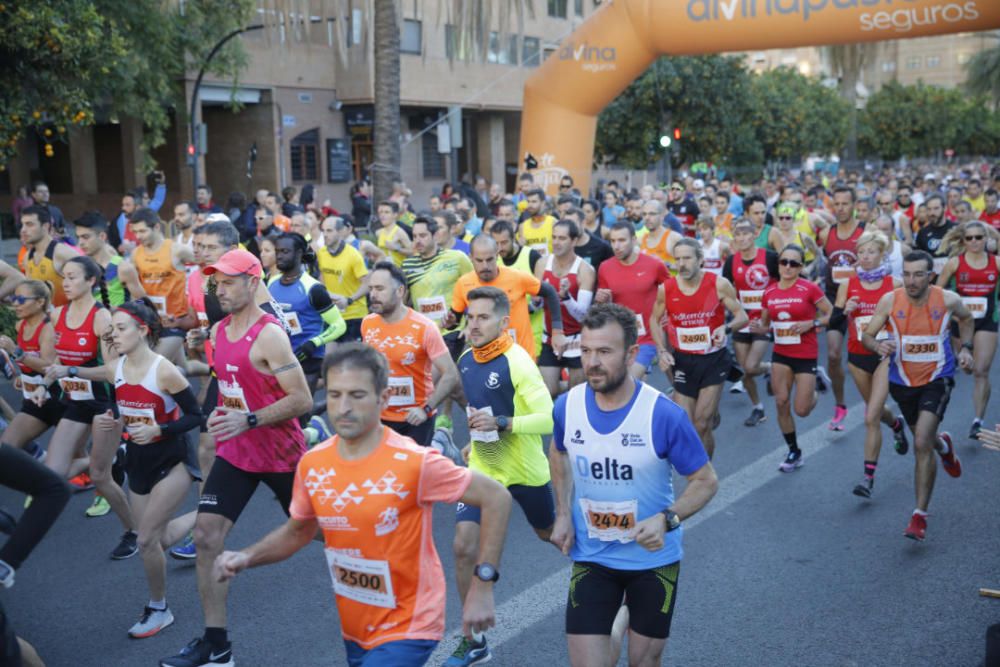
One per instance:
(493, 349)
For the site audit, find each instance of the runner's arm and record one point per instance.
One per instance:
(533, 398)
(579, 306)
(727, 294)
(335, 327)
(655, 330)
(701, 487)
(130, 279)
(281, 361)
(280, 544)
(947, 272)
(966, 324)
(448, 378)
(11, 279)
(551, 296)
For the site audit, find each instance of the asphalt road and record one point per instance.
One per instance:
(778, 570)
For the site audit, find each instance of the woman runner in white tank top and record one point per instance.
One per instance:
(714, 249)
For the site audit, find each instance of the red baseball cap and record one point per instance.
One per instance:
(236, 263)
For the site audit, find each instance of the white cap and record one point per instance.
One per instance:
(217, 217)
(930, 177)
(698, 184)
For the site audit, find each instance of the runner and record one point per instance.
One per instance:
(574, 280)
(756, 212)
(683, 206)
(991, 214)
(636, 281)
(313, 319)
(617, 517)
(262, 391)
(794, 309)
(46, 256)
(343, 271)
(931, 235)
(518, 285)
(659, 242)
(590, 247)
(387, 577)
(839, 244)
(413, 345)
(92, 238)
(696, 304)
(392, 238)
(157, 407)
(714, 249)
(856, 301)
(922, 368)
(786, 233)
(750, 270)
(526, 259)
(893, 256)
(160, 275)
(974, 275)
(509, 411)
(535, 228)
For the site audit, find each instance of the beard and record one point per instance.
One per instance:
(607, 382)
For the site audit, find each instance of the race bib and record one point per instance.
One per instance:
(203, 321)
(433, 307)
(401, 391)
(641, 328)
(784, 334)
(572, 349)
(694, 339)
(232, 397)
(481, 436)
(77, 389)
(610, 521)
(361, 579)
(33, 386)
(921, 349)
(137, 416)
(160, 303)
(939, 263)
(841, 274)
(977, 305)
(751, 299)
(294, 326)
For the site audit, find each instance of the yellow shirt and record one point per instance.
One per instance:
(804, 229)
(538, 237)
(342, 274)
(978, 204)
(384, 237)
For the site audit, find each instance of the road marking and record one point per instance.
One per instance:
(549, 595)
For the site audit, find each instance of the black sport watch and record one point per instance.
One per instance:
(73, 371)
(487, 572)
(251, 420)
(673, 521)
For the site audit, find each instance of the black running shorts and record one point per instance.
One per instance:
(692, 372)
(228, 489)
(596, 592)
(932, 397)
(797, 365)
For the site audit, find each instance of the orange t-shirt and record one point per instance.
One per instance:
(518, 285)
(410, 346)
(375, 514)
(165, 285)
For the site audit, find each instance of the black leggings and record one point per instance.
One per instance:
(49, 492)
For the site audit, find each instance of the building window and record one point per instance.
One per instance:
(578, 7)
(305, 156)
(432, 160)
(557, 8)
(456, 45)
(507, 56)
(411, 39)
(933, 61)
(530, 52)
(913, 62)
(889, 66)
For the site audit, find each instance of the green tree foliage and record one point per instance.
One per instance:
(983, 73)
(72, 62)
(795, 115)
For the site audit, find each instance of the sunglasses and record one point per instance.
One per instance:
(795, 264)
(977, 237)
(677, 189)
(21, 300)
(785, 217)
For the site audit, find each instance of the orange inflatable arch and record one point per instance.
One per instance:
(621, 39)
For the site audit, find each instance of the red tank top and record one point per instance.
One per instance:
(144, 403)
(196, 299)
(841, 256)
(750, 281)
(31, 346)
(978, 287)
(272, 448)
(80, 346)
(691, 318)
(858, 319)
(570, 326)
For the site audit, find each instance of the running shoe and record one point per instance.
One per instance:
(792, 462)
(899, 441)
(322, 429)
(949, 461)
(185, 550)
(823, 381)
(151, 622)
(100, 507)
(6, 575)
(200, 653)
(36, 451)
(917, 530)
(839, 414)
(7, 522)
(864, 489)
(737, 388)
(81, 482)
(127, 547)
(977, 426)
(469, 653)
(756, 417)
(444, 443)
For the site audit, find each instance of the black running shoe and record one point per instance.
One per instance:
(200, 653)
(735, 373)
(127, 547)
(974, 431)
(864, 489)
(899, 441)
(756, 416)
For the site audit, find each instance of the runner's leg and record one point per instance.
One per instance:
(983, 351)
(925, 467)
(153, 512)
(23, 428)
(102, 454)
(835, 363)
(704, 414)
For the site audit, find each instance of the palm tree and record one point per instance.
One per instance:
(983, 72)
(386, 90)
(847, 62)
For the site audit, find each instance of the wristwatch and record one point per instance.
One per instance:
(673, 521)
(487, 572)
(251, 420)
(967, 346)
(350, 300)
(73, 371)
(502, 422)
(429, 411)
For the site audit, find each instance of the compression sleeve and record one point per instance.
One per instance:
(551, 296)
(335, 326)
(532, 401)
(579, 306)
(190, 414)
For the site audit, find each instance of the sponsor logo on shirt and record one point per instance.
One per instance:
(576, 439)
(632, 440)
(232, 369)
(335, 523)
(606, 469)
(493, 381)
(388, 521)
(408, 359)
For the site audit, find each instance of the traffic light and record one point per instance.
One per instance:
(190, 154)
(677, 134)
(664, 141)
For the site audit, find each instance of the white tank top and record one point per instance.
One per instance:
(713, 256)
(894, 260)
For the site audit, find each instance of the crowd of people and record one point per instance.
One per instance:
(328, 355)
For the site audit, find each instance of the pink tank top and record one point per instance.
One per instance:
(273, 448)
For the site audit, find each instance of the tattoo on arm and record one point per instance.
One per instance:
(286, 367)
